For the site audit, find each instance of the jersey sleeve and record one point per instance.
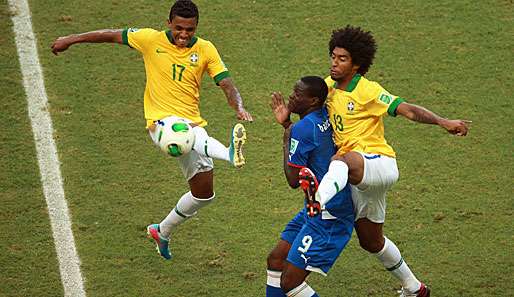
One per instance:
(215, 66)
(301, 143)
(380, 101)
(139, 39)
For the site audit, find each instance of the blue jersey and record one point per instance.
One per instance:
(312, 146)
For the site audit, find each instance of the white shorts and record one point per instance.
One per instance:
(191, 163)
(369, 197)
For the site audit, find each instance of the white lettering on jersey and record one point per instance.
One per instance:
(325, 126)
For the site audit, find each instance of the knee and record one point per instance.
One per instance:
(275, 261)
(288, 281)
(338, 157)
(372, 245)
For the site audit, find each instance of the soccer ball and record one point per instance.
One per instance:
(175, 136)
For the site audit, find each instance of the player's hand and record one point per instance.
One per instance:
(279, 108)
(456, 127)
(244, 115)
(313, 208)
(61, 44)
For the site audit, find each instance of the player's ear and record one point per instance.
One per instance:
(315, 101)
(355, 67)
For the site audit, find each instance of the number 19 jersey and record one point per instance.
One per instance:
(173, 74)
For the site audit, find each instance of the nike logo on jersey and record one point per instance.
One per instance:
(160, 51)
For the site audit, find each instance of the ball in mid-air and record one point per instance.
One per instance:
(175, 136)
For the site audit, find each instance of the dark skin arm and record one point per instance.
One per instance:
(234, 99)
(282, 116)
(422, 115)
(291, 173)
(107, 35)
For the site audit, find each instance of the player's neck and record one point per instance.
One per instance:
(343, 83)
(315, 108)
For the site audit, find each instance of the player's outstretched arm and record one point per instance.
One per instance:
(282, 116)
(422, 115)
(107, 35)
(234, 99)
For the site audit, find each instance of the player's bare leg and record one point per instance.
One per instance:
(202, 185)
(293, 282)
(276, 262)
(372, 239)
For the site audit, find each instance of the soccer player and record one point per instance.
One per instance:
(175, 61)
(314, 238)
(356, 107)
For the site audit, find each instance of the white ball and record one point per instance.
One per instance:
(175, 136)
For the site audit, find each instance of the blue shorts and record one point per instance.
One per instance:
(316, 243)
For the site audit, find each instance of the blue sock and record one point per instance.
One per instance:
(274, 292)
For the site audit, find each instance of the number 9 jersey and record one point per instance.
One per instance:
(173, 74)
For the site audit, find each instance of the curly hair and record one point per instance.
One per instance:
(359, 43)
(184, 8)
(316, 87)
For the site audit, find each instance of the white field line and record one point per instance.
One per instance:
(69, 263)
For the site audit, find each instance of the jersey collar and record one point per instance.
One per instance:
(191, 43)
(353, 83)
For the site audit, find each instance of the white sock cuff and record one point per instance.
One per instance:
(188, 204)
(203, 200)
(273, 278)
(338, 166)
(303, 290)
(390, 255)
(387, 242)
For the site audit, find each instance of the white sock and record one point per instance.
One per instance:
(186, 207)
(392, 260)
(303, 290)
(334, 181)
(208, 146)
(273, 278)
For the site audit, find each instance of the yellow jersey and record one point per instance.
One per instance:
(356, 115)
(173, 74)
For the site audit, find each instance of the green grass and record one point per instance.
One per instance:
(450, 213)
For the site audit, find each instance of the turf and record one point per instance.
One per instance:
(450, 213)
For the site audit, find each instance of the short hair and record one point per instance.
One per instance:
(184, 8)
(359, 43)
(316, 87)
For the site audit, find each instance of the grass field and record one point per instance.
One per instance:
(451, 213)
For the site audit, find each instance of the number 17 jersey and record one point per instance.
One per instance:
(173, 74)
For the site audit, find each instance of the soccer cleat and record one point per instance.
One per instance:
(309, 185)
(423, 291)
(161, 242)
(237, 140)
